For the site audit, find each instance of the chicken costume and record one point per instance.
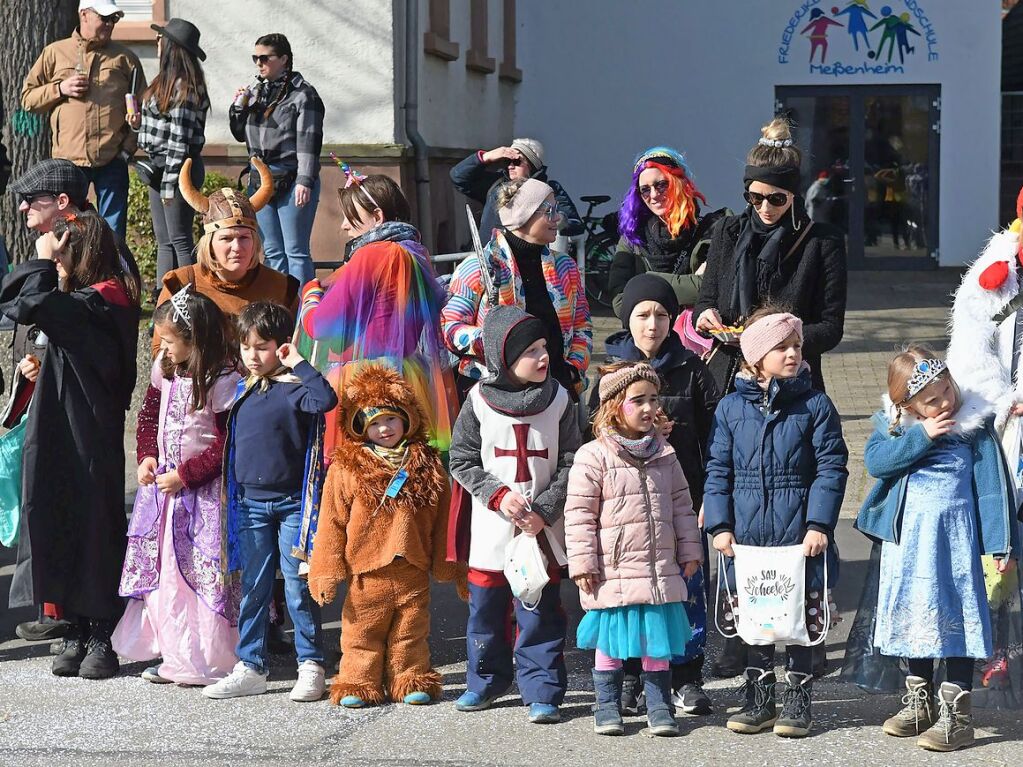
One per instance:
(386, 536)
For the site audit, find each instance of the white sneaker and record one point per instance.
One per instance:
(311, 683)
(241, 681)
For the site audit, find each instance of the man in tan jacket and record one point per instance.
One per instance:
(82, 82)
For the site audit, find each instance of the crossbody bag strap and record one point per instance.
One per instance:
(797, 243)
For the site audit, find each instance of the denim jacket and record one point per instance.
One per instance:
(891, 458)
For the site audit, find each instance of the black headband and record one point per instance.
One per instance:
(782, 176)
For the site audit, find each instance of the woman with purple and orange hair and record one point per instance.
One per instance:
(662, 227)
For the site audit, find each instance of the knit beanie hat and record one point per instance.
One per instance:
(766, 333)
(523, 205)
(531, 149)
(621, 379)
(521, 336)
(648, 287)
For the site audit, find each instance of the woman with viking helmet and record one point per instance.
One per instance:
(383, 304)
(230, 269)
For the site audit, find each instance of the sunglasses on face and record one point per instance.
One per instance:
(30, 197)
(647, 190)
(113, 18)
(774, 199)
(262, 60)
(549, 210)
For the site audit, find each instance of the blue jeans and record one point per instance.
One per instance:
(286, 230)
(266, 529)
(111, 183)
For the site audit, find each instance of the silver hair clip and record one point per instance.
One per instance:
(777, 143)
(180, 303)
(923, 374)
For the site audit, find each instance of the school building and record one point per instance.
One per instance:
(898, 103)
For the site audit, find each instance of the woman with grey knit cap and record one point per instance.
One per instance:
(526, 273)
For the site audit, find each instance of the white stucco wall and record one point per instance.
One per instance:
(345, 49)
(700, 76)
(460, 107)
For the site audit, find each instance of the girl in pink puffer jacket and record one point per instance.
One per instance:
(631, 532)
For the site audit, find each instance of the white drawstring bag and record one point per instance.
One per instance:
(770, 595)
(525, 567)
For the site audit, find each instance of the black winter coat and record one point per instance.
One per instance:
(689, 397)
(811, 283)
(479, 181)
(73, 526)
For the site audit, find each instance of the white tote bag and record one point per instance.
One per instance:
(525, 567)
(770, 595)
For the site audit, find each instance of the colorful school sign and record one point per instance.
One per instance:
(859, 37)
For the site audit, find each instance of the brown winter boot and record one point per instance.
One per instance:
(954, 728)
(917, 714)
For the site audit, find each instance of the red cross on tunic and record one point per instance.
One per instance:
(521, 453)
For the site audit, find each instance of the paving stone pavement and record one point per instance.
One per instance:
(49, 721)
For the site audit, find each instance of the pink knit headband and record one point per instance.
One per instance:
(766, 333)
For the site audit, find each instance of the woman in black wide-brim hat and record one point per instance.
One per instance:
(172, 128)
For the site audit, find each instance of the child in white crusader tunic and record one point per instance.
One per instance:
(511, 449)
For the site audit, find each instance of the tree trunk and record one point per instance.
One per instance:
(36, 24)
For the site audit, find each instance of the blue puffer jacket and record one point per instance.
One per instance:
(777, 465)
(891, 458)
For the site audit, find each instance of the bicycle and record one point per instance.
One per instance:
(601, 243)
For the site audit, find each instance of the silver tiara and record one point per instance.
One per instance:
(180, 303)
(778, 143)
(924, 372)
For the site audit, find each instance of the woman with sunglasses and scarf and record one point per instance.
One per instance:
(773, 252)
(526, 273)
(662, 228)
(280, 118)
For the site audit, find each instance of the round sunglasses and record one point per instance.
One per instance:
(647, 190)
(774, 199)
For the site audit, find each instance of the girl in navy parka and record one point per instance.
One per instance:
(943, 498)
(776, 477)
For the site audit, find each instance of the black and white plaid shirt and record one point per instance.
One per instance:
(173, 136)
(291, 138)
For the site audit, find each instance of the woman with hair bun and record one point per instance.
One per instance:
(662, 227)
(526, 273)
(772, 252)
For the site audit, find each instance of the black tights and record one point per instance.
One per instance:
(800, 659)
(958, 671)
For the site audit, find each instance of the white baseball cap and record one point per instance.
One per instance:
(102, 7)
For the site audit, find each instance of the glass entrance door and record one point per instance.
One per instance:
(870, 161)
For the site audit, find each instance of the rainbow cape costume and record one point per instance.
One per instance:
(383, 305)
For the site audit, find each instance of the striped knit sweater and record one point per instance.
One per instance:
(463, 314)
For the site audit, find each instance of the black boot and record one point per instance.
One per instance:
(44, 629)
(732, 660)
(796, 718)
(760, 711)
(632, 689)
(100, 659)
(659, 716)
(69, 660)
(607, 685)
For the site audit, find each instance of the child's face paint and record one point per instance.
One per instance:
(640, 407)
(532, 364)
(258, 354)
(173, 344)
(386, 431)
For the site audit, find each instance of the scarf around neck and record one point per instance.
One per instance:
(389, 231)
(758, 253)
(280, 374)
(393, 456)
(643, 449)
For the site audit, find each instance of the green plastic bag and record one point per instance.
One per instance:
(11, 444)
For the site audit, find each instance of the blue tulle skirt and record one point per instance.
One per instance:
(634, 631)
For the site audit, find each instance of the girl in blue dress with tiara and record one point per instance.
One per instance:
(942, 500)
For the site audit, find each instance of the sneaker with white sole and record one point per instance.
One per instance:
(311, 684)
(240, 682)
(152, 674)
